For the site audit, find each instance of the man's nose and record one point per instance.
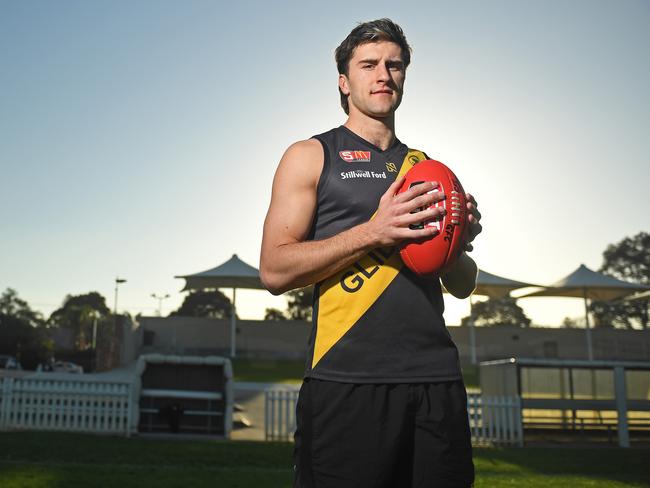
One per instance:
(382, 72)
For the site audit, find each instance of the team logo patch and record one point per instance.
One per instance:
(391, 167)
(355, 156)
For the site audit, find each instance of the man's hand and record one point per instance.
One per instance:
(460, 280)
(473, 219)
(396, 212)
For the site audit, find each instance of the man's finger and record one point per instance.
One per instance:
(394, 186)
(424, 201)
(474, 214)
(392, 190)
(424, 216)
(415, 234)
(417, 190)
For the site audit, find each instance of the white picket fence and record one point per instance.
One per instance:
(69, 405)
(280, 414)
(493, 421)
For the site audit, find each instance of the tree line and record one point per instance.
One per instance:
(27, 334)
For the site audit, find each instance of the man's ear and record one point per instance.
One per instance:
(343, 85)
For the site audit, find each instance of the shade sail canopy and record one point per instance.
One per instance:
(234, 273)
(589, 285)
(493, 286)
(585, 283)
(645, 296)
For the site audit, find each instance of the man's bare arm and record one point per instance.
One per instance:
(460, 280)
(289, 261)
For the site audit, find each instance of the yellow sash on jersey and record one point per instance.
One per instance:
(348, 294)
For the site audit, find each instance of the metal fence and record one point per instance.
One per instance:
(69, 405)
(574, 394)
(492, 420)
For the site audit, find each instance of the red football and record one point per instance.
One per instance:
(435, 255)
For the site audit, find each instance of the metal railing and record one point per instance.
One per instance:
(614, 393)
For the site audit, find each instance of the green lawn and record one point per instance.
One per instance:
(268, 370)
(39, 459)
(290, 371)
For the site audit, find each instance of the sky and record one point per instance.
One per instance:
(140, 139)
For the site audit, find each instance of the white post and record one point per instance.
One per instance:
(129, 407)
(621, 406)
(472, 336)
(590, 353)
(233, 325)
(6, 400)
(267, 416)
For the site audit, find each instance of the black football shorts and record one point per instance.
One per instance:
(413, 435)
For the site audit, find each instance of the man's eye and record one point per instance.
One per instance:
(368, 66)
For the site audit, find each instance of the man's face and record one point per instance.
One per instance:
(375, 79)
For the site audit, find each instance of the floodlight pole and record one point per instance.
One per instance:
(117, 282)
(160, 300)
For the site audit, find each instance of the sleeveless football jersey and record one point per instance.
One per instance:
(376, 321)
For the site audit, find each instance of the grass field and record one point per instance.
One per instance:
(290, 371)
(38, 459)
(268, 370)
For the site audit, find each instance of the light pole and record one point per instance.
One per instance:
(117, 282)
(160, 300)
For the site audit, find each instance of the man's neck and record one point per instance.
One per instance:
(380, 132)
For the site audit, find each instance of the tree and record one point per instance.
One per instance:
(627, 260)
(22, 331)
(12, 306)
(501, 311)
(299, 303)
(205, 303)
(274, 314)
(572, 323)
(80, 313)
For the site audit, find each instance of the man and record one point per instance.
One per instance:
(383, 402)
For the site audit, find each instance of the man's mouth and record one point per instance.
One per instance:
(380, 92)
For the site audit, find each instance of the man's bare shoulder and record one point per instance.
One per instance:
(303, 157)
(310, 150)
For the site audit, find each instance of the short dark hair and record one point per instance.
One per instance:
(373, 31)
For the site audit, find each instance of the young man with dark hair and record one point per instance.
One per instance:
(383, 402)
